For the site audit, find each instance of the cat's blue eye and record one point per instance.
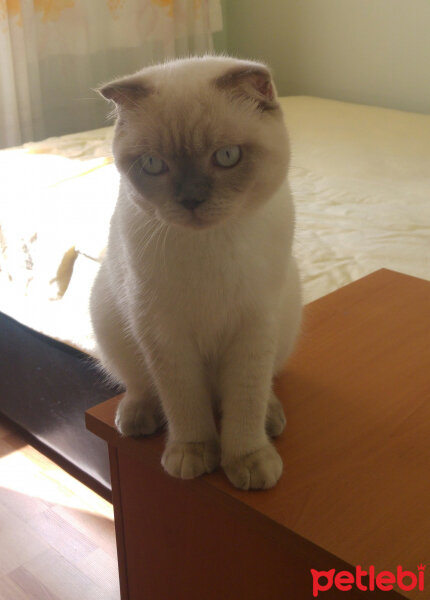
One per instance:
(153, 165)
(228, 156)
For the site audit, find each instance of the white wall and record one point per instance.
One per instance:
(366, 51)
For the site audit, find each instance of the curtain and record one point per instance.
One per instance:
(54, 52)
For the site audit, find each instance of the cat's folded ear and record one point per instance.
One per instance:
(250, 80)
(126, 92)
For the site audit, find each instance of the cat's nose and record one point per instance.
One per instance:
(191, 202)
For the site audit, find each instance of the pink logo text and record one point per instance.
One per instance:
(368, 580)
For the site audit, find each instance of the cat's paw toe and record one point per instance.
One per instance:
(138, 418)
(191, 459)
(259, 470)
(275, 417)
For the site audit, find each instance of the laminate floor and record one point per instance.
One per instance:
(57, 538)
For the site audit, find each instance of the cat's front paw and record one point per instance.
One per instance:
(191, 459)
(135, 417)
(275, 417)
(259, 470)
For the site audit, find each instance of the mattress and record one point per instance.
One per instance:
(360, 176)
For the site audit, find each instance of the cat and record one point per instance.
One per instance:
(197, 303)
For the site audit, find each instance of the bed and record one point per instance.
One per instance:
(361, 180)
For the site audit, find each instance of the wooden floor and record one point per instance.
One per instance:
(57, 539)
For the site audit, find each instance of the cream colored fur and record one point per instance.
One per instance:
(195, 311)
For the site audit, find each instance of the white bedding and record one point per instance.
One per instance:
(361, 180)
(360, 176)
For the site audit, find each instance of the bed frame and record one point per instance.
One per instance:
(45, 389)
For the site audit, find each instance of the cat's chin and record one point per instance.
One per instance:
(191, 220)
(197, 222)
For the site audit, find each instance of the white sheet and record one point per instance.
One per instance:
(56, 199)
(360, 176)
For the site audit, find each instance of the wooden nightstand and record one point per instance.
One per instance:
(356, 482)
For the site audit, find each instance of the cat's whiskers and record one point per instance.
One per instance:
(163, 247)
(143, 237)
(167, 228)
(160, 232)
(132, 164)
(154, 234)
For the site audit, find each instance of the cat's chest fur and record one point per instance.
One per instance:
(202, 283)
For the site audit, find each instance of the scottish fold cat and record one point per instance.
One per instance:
(197, 303)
